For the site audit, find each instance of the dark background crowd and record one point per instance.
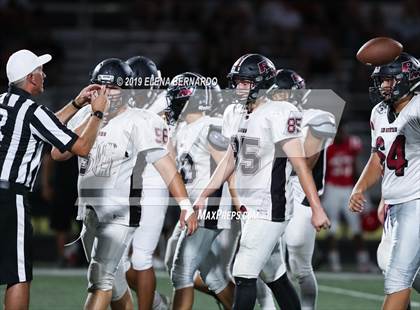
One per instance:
(318, 39)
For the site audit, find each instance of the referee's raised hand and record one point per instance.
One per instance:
(85, 95)
(101, 102)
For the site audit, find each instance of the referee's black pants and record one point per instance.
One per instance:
(15, 237)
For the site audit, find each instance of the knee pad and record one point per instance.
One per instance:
(300, 263)
(383, 253)
(182, 276)
(99, 278)
(120, 284)
(396, 280)
(215, 279)
(300, 232)
(141, 259)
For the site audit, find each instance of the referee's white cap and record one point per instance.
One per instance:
(23, 62)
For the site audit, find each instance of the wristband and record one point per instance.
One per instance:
(98, 114)
(187, 206)
(73, 102)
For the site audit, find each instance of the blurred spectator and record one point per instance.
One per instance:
(280, 14)
(360, 79)
(150, 14)
(174, 62)
(318, 54)
(376, 22)
(231, 31)
(19, 4)
(279, 23)
(340, 178)
(348, 32)
(406, 25)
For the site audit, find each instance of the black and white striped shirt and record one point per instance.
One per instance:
(24, 127)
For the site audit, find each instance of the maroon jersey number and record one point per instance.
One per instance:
(396, 156)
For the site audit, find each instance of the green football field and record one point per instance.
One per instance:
(65, 289)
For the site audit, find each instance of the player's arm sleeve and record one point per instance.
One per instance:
(216, 139)
(323, 126)
(46, 126)
(285, 125)
(372, 132)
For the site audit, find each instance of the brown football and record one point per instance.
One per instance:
(379, 51)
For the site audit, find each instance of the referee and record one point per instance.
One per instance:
(24, 127)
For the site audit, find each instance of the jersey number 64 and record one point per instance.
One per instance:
(396, 156)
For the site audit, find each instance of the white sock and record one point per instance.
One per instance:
(157, 301)
(264, 296)
(308, 291)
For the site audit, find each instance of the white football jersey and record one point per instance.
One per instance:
(322, 125)
(231, 119)
(107, 180)
(196, 165)
(260, 162)
(397, 143)
(151, 177)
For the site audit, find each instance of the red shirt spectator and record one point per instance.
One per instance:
(341, 160)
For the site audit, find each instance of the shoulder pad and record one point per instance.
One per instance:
(232, 109)
(322, 125)
(216, 139)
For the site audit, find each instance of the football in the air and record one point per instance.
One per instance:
(379, 51)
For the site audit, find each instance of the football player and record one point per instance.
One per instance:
(110, 188)
(155, 198)
(225, 245)
(318, 127)
(267, 130)
(395, 133)
(199, 146)
(230, 128)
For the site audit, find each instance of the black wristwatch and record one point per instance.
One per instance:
(98, 114)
